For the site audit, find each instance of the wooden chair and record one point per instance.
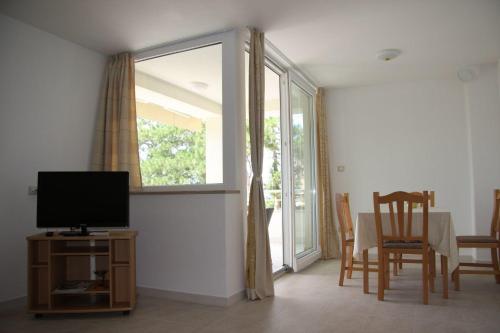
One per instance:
(491, 242)
(432, 203)
(401, 241)
(347, 243)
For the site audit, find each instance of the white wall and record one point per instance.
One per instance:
(482, 102)
(189, 243)
(48, 98)
(180, 240)
(408, 136)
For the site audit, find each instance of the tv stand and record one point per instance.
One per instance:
(73, 233)
(81, 274)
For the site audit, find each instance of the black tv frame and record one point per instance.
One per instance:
(82, 228)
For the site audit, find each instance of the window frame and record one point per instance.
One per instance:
(231, 100)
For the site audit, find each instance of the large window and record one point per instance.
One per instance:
(179, 117)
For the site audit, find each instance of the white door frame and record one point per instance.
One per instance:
(306, 258)
(276, 61)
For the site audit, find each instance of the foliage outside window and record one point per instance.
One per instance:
(170, 155)
(272, 148)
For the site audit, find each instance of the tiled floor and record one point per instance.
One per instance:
(309, 301)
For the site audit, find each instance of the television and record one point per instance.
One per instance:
(81, 199)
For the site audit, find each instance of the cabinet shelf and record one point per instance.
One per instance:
(79, 309)
(104, 292)
(120, 264)
(94, 288)
(82, 251)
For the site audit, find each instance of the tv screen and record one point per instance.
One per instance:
(70, 199)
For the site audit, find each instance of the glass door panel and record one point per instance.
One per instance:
(303, 164)
(272, 161)
(271, 168)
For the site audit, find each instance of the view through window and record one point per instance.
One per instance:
(179, 117)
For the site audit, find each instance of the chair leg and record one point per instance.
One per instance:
(395, 264)
(387, 273)
(494, 261)
(455, 275)
(342, 265)
(381, 284)
(350, 253)
(444, 272)
(442, 263)
(365, 272)
(401, 262)
(456, 278)
(425, 277)
(432, 268)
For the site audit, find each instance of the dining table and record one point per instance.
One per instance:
(441, 234)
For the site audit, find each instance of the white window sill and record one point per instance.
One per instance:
(185, 189)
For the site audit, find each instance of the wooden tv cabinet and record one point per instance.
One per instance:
(57, 262)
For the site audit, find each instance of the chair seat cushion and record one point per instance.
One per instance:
(399, 244)
(476, 239)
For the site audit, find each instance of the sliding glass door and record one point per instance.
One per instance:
(271, 169)
(288, 171)
(274, 159)
(302, 136)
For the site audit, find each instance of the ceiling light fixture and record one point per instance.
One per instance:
(388, 54)
(199, 85)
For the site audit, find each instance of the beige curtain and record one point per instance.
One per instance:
(259, 273)
(329, 239)
(115, 142)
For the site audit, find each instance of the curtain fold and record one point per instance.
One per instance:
(259, 273)
(115, 145)
(329, 239)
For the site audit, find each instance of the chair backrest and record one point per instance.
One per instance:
(401, 227)
(344, 215)
(495, 222)
(432, 199)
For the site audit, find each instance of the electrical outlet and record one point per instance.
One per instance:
(32, 190)
(340, 168)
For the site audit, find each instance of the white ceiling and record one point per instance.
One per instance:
(181, 69)
(335, 42)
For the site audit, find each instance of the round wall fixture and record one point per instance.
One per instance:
(468, 74)
(388, 54)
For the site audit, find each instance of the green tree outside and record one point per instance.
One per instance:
(272, 143)
(170, 155)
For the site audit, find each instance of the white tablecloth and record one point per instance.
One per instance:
(441, 233)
